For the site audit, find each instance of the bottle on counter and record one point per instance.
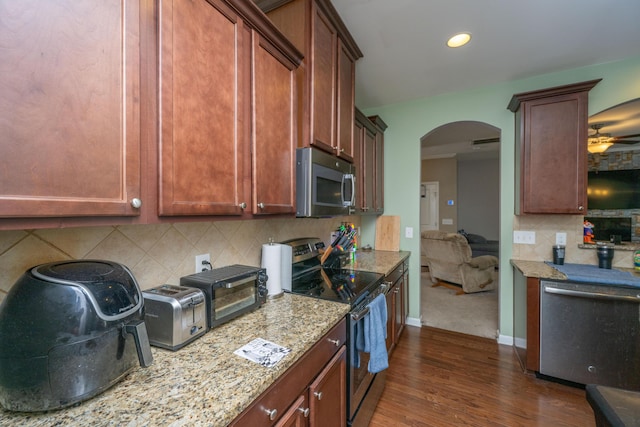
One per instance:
(636, 260)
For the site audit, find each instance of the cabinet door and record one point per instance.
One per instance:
(327, 394)
(323, 82)
(555, 155)
(69, 108)
(274, 136)
(204, 148)
(398, 311)
(368, 172)
(346, 103)
(391, 305)
(378, 204)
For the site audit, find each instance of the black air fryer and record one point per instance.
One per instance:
(68, 331)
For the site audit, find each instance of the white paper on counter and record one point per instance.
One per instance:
(264, 352)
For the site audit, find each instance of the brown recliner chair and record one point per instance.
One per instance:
(448, 256)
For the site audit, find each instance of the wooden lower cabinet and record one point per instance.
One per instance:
(298, 414)
(526, 320)
(396, 304)
(313, 392)
(327, 394)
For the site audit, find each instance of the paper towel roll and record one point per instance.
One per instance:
(274, 256)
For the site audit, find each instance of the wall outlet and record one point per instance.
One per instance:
(524, 237)
(561, 238)
(408, 232)
(447, 221)
(203, 262)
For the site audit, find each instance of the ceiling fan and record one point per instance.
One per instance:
(600, 142)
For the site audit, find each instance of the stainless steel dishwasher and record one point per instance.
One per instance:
(590, 333)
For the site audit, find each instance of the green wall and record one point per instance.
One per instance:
(409, 121)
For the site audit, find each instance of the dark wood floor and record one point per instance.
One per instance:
(441, 378)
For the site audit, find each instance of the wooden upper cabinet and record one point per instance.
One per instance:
(323, 78)
(378, 200)
(327, 74)
(551, 149)
(69, 109)
(275, 135)
(369, 160)
(228, 111)
(204, 54)
(346, 103)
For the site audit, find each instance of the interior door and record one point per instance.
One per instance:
(429, 206)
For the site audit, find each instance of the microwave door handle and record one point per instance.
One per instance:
(353, 190)
(344, 178)
(352, 178)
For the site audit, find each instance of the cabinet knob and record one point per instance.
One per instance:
(592, 369)
(136, 203)
(273, 413)
(243, 205)
(580, 208)
(318, 394)
(334, 342)
(305, 412)
(261, 205)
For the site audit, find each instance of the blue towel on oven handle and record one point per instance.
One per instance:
(359, 342)
(375, 334)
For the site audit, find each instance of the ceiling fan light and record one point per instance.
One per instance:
(598, 147)
(459, 39)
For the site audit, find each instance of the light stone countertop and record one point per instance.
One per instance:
(378, 261)
(537, 269)
(204, 383)
(541, 270)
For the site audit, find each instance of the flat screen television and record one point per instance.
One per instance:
(619, 189)
(605, 227)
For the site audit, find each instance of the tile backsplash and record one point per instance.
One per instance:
(546, 227)
(156, 253)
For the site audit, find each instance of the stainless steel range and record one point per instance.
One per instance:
(335, 281)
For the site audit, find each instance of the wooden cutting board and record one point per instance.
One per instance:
(388, 233)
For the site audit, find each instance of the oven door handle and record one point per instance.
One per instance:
(360, 314)
(230, 285)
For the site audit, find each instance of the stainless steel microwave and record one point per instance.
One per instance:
(325, 185)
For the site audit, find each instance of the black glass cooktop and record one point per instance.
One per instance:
(336, 284)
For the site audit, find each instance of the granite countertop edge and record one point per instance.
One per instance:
(541, 270)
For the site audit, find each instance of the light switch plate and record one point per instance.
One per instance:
(408, 232)
(524, 237)
(561, 238)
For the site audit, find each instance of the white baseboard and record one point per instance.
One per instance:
(413, 321)
(505, 339)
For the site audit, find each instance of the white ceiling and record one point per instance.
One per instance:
(405, 56)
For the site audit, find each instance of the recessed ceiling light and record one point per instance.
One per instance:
(459, 40)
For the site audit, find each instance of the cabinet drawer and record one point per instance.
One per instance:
(395, 274)
(286, 389)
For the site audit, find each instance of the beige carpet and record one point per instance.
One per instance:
(472, 314)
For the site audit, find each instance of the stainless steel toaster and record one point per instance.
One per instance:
(174, 315)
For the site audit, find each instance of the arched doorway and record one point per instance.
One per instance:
(463, 159)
